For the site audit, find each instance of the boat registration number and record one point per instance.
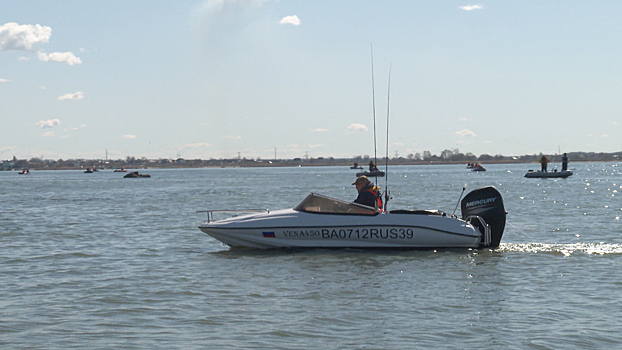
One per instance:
(351, 233)
(368, 233)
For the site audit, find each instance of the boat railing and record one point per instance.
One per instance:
(233, 213)
(487, 235)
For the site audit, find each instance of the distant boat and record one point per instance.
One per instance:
(376, 173)
(478, 167)
(135, 174)
(24, 172)
(547, 174)
(120, 170)
(88, 171)
(356, 166)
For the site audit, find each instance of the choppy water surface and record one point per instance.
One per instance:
(98, 261)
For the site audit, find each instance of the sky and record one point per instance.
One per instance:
(267, 79)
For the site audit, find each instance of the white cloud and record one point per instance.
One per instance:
(463, 119)
(21, 37)
(66, 57)
(471, 7)
(75, 128)
(319, 130)
(72, 96)
(231, 137)
(355, 128)
(213, 6)
(4, 80)
(50, 123)
(197, 145)
(224, 20)
(317, 145)
(129, 137)
(465, 132)
(293, 20)
(49, 134)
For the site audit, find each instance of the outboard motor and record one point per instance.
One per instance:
(485, 202)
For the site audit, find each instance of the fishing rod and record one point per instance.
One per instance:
(387, 195)
(373, 98)
(459, 198)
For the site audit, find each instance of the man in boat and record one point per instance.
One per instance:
(564, 162)
(369, 194)
(372, 166)
(544, 161)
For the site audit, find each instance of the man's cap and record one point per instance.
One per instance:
(361, 179)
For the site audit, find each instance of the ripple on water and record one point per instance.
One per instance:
(102, 262)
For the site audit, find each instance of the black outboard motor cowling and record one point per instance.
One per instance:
(486, 202)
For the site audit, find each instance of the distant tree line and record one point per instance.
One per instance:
(426, 157)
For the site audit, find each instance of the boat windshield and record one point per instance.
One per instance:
(316, 203)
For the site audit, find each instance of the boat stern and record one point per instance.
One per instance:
(486, 204)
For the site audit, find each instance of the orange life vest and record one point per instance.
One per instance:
(376, 191)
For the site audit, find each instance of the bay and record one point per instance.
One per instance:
(98, 261)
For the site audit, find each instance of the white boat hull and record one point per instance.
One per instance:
(291, 229)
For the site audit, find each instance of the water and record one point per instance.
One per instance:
(97, 261)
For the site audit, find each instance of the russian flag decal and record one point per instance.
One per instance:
(268, 234)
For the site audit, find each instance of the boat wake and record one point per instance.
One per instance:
(564, 249)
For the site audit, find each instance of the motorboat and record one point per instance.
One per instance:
(324, 222)
(356, 166)
(547, 174)
(375, 173)
(478, 167)
(120, 170)
(135, 174)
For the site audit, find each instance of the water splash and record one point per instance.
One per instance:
(565, 249)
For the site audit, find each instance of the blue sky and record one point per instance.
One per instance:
(214, 79)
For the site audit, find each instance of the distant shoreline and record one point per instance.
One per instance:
(446, 158)
(290, 164)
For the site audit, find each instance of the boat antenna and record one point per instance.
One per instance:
(461, 193)
(387, 196)
(373, 98)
